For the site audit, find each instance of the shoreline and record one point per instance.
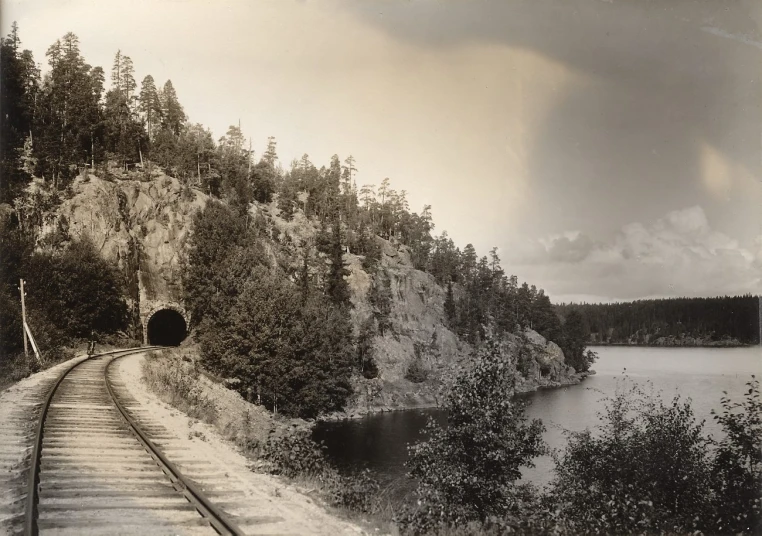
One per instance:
(715, 345)
(358, 414)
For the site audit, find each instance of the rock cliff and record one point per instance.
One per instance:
(419, 337)
(141, 226)
(144, 226)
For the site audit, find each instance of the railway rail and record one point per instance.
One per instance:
(96, 470)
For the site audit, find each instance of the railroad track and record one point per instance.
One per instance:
(95, 470)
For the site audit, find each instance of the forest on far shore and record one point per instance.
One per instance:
(709, 320)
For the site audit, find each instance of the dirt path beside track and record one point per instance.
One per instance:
(273, 506)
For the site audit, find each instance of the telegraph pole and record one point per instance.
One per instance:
(23, 319)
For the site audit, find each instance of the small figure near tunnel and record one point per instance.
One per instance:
(166, 327)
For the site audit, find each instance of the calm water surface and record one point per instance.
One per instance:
(379, 442)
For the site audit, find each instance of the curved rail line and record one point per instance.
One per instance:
(92, 465)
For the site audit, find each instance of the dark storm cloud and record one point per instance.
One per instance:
(667, 81)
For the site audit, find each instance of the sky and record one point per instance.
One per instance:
(610, 149)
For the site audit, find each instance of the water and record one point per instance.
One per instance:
(379, 442)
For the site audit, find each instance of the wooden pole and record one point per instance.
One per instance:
(23, 319)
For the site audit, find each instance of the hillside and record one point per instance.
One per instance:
(143, 226)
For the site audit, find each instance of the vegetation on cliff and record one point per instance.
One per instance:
(71, 293)
(288, 345)
(672, 321)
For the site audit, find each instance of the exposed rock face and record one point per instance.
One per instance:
(141, 226)
(547, 367)
(419, 334)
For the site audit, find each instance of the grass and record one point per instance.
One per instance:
(15, 368)
(177, 383)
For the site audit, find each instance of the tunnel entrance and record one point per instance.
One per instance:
(166, 327)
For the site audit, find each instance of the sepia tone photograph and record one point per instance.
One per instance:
(380, 267)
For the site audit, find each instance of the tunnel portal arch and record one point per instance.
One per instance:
(166, 324)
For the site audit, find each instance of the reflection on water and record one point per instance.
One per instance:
(379, 442)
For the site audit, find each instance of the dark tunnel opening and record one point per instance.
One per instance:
(166, 328)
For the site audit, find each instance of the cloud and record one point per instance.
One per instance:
(735, 37)
(677, 255)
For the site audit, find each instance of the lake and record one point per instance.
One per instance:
(379, 442)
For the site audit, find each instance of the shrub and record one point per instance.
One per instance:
(467, 470)
(416, 372)
(178, 384)
(78, 290)
(737, 465)
(296, 455)
(293, 454)
(356, 492)
(369, 368)
(645, 470)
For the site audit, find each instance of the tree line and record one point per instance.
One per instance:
(642, 321)
(56, 125)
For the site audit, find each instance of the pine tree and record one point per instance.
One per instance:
(271, 156)
(116, 71)
(383, 189)
(468, 262)
(173, 116)
(233, 161)
(545, 321)
(123, 77)
(337, 288)
(19, 83)
(127, 84)
(150, 105)
(68, 105)
(367, 195)
(348, 174)
(381, 301)
(449, 305)
(575, 335)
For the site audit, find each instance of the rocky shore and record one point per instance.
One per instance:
(545, 369)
